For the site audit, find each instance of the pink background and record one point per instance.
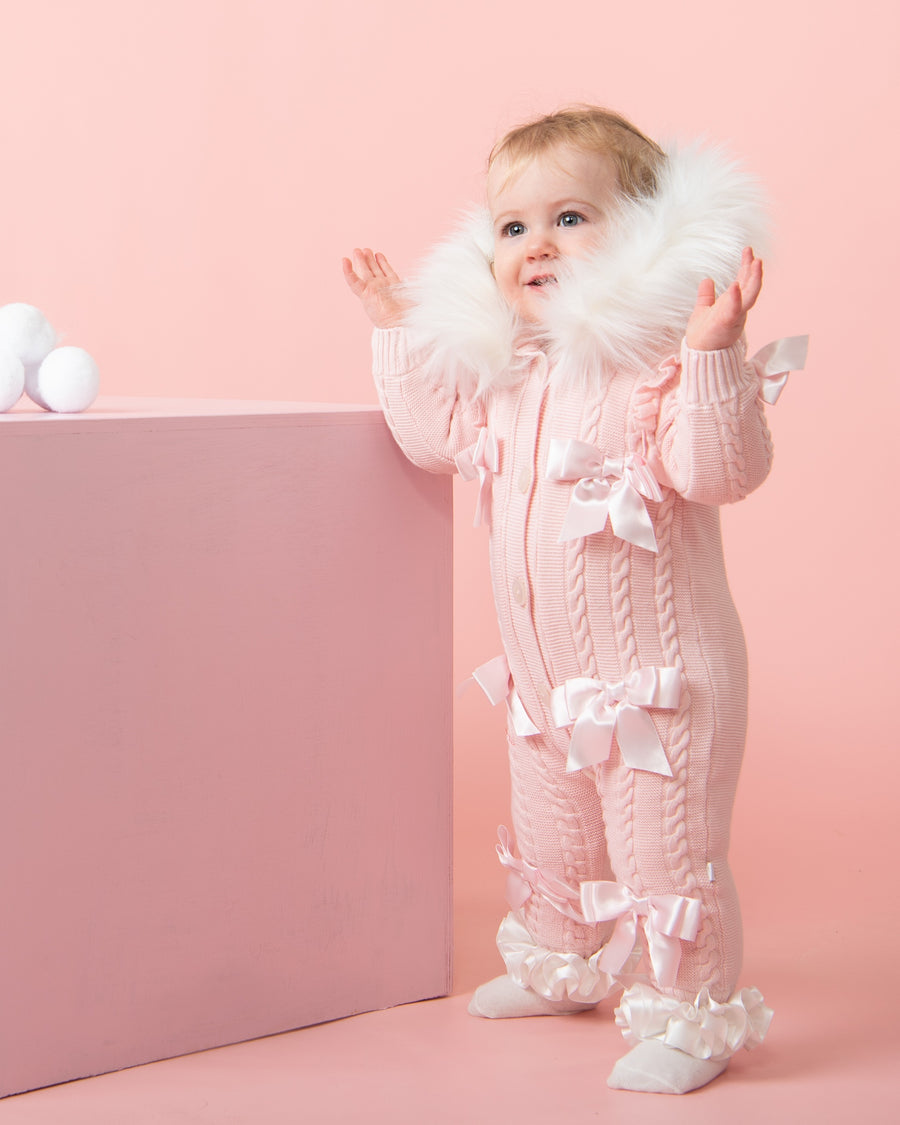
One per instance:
(181, 179)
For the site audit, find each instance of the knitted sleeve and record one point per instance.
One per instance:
(712, 442)
(430, 423)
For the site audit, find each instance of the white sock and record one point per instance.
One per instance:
(502, 999)
(654, 1068)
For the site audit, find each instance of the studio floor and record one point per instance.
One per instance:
(831, 1056)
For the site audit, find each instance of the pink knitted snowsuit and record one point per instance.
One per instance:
(601, 608)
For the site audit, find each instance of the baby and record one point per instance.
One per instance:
(569, 350)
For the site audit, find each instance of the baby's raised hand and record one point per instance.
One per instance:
(373, 280)
(716, 324)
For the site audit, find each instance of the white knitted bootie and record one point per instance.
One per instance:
(503, 999)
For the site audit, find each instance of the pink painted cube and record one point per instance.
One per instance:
(226, 723)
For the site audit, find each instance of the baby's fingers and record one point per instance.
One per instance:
(352, 278)
(730, 305)
(750, 280)
(386, 268)
(364, 263)
(706, 293)
(377, 265)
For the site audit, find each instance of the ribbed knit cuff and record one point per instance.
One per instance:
(390, 351)
(713, 377)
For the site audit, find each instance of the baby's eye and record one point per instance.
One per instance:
(513, 230)
(570, 219)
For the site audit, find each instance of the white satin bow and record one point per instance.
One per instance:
(667, 921)
(599, 709)
(776, 361)
(607, 487)
(481, 460)
(525, 880)
(495, 680)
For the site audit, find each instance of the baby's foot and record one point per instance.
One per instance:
(502, 999)
(654, 1068)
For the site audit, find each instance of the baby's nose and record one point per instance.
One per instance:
(541, 247)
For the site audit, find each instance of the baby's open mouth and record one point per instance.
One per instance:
(543, 279)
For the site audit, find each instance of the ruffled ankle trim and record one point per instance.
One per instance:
(704, 1029)
(555, 976)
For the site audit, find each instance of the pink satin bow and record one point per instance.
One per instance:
(481, 460)
(667, 921)
(599, 709)
(524, 880)
(495, 680)
(776, 361)
(607, 487)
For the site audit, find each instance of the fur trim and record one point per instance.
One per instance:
(458, 320)
(626, 308)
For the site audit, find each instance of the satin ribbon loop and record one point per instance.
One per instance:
(667, 920)
(495, 680)
(481, 461)
(596, 710)
(776, 361)
(612, 488)
(524, 880)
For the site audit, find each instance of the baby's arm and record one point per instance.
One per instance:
(431, 424)
(712, 437)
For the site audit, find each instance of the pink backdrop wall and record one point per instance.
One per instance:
(181, 178)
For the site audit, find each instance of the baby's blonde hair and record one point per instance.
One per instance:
(590, 129)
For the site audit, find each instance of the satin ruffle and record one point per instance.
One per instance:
(555, 976)
(704, 1029)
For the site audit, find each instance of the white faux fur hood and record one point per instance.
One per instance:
(624, 309)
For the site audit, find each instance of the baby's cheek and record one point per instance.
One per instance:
(598, 238)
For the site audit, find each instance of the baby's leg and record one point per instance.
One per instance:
(669, 837)
(558, 823)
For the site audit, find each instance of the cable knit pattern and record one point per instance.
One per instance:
(577, 605)
(734, 459)
(627, 868)
(577, 601)
(703, 955)
(768, 444)
(557, 810)
(679, 731)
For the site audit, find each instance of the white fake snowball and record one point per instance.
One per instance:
(66, 382)
(12, 379)
(26, 332)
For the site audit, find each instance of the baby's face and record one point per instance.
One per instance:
(555, 207)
